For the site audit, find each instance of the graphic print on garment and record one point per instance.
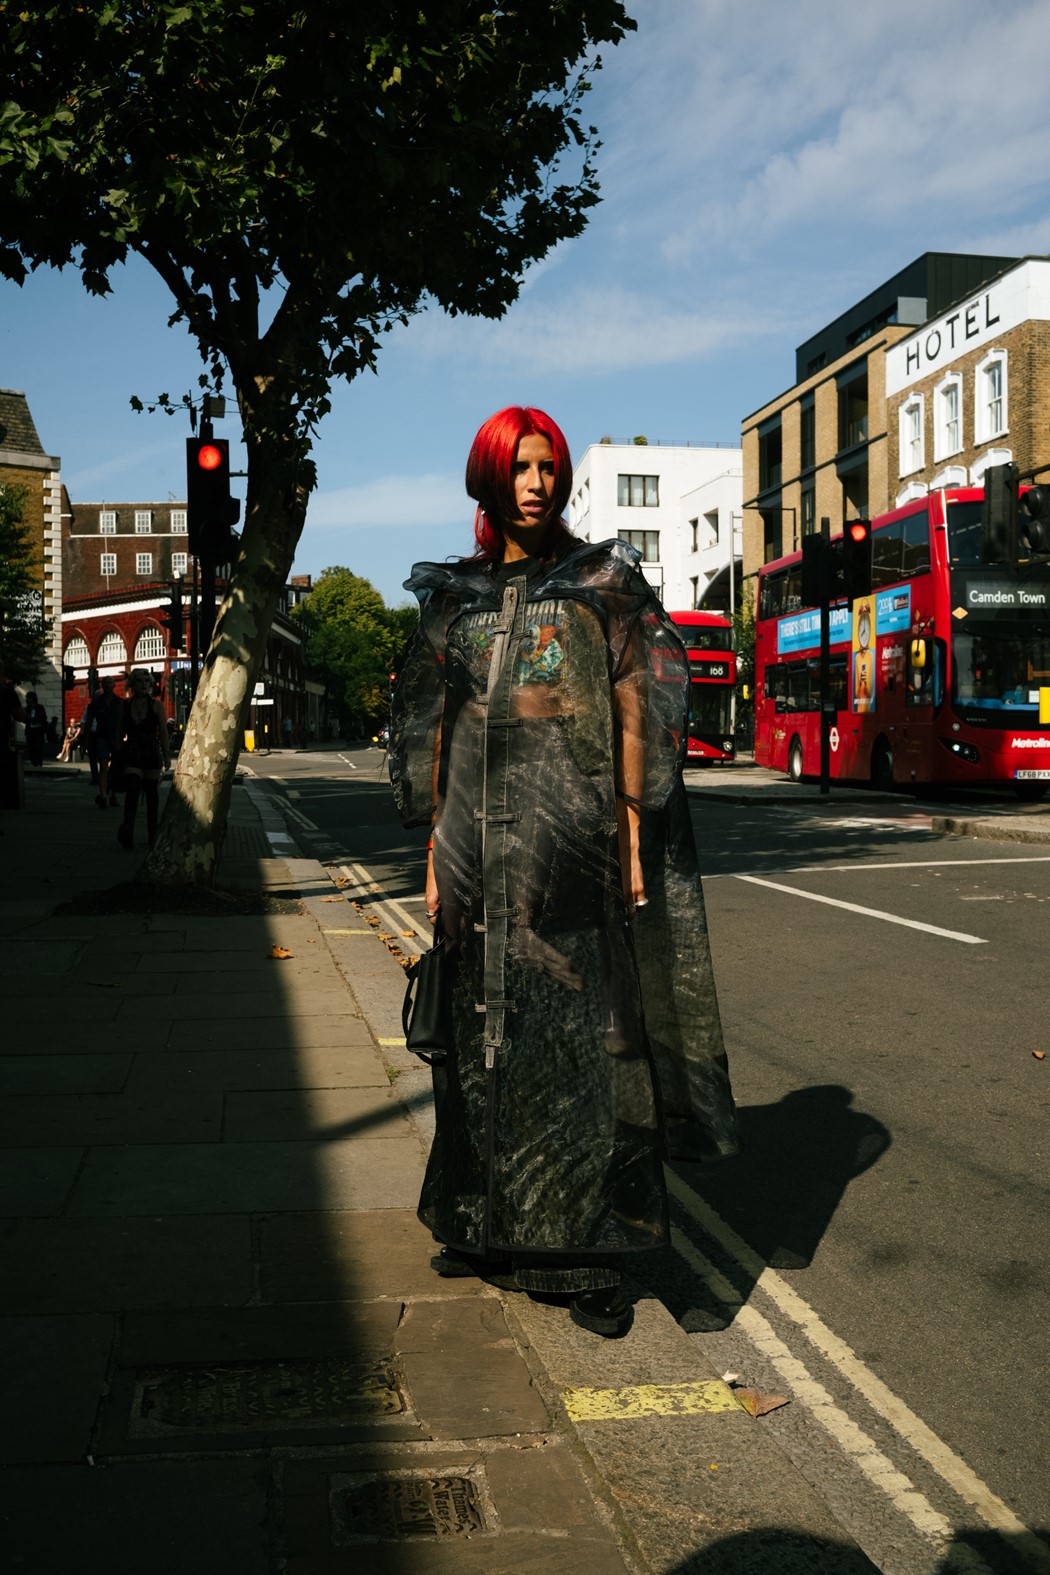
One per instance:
(542, 650)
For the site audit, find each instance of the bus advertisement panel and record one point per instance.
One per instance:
(940, 676)
(708, 639)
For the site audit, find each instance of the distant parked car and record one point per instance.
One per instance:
(382, 738)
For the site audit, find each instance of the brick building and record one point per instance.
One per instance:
(123, 546)
(24, 464)
(823, 447)
(971, 388)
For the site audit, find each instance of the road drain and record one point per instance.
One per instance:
(395, 1505)
(252, 1396)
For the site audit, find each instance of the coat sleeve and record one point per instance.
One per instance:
(417, 708)
(650, 699)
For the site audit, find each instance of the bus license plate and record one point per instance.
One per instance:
(1032, 776)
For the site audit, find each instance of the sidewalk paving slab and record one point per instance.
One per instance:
(223, 1339)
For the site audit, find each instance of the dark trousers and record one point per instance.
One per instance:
(137, 787)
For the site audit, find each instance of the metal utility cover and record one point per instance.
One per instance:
(400, 1505)
(258, 1396)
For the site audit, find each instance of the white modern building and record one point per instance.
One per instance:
(680, 505)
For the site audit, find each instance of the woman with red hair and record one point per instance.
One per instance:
(539, 731)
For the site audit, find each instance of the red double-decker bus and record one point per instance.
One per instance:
(708, 638)
(940, 676)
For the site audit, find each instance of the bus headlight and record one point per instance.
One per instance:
(967, 752)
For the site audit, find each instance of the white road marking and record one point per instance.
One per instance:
(368, 884)
(349, 763)
(948, 1465)
(241, 766)
(888, 864)
(297, 815)
(870, 913)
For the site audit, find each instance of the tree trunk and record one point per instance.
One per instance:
(190, 836)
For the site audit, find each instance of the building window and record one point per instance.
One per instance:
(112, 649)
(151, 645)
(990, 412)
(107, 522)
(808, 511)
(647, 542)
(911, 436)
(638, 492)
(143, 522)
(711, 520)
(947, 419)
(807, 435)
(76, 653)
(178, 522)
(853, 412)
(772, 535)
(179, 561)
(694, 536)
(143, 563)
(108, 563)
(770, 457)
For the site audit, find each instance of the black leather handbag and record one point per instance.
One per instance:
(425, 1012)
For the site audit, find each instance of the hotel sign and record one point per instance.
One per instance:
(1019, 296)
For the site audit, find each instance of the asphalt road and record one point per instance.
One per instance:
(881, 990)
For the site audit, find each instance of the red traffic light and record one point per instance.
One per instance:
(209, 457)
(859, 529)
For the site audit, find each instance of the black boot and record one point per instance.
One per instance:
(606, 1312)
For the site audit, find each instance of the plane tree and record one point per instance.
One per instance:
(302, 178)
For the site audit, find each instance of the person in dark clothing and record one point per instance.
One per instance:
(102, 719)
(36, 729)
(11, 711)
(538, 730)
(144, 739)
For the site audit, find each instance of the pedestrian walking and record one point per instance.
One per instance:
(36, 729)
(144, 750)
(538, 730)
(102, 720)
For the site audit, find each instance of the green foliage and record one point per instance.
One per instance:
(23, 632)
(360, 159)
(744, 629)
(354, 641)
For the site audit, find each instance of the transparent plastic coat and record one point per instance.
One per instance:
(524, 708)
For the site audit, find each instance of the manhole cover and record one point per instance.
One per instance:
(263, 1395)
(393, 1505)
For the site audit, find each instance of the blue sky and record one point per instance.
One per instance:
(763, 167)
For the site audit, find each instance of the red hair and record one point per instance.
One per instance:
(490, 477)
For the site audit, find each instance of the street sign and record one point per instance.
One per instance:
(257, 701)
(833, 738)
(260, 688)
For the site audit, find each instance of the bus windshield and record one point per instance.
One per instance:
(1000, 667)
(699, 639)
(709, 713)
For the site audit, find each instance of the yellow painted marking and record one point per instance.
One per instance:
(348, 932)
(390, 1041)
(608, 1405)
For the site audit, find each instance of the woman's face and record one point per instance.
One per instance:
(532, 476)
(141, 685)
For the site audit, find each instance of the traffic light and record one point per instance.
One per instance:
(69, 678)
(1000, 514)
(816, 570)
(856, 559)
(210, 510)
(174, 618)
(1034, 521)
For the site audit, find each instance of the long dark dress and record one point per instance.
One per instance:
(525, 705)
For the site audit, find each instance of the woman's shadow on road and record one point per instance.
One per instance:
(781, 1191)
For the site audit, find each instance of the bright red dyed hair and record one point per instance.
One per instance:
(490, 477)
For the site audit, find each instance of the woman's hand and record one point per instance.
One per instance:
(433, 901)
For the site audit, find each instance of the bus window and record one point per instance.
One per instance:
(965, 534)
(886, 555)
(916, 559)
(771, 595)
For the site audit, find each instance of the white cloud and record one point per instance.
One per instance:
(391, 501)
(80, 483)
(587, 331)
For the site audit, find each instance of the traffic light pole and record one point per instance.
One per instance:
(826, 707)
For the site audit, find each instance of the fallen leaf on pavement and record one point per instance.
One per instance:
(342, 880)
(407, 934)
(383, 936)
(279, 951)
(333, 899)
(1040, 1055)
(756, 1403)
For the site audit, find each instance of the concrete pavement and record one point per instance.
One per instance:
(224, 1348)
